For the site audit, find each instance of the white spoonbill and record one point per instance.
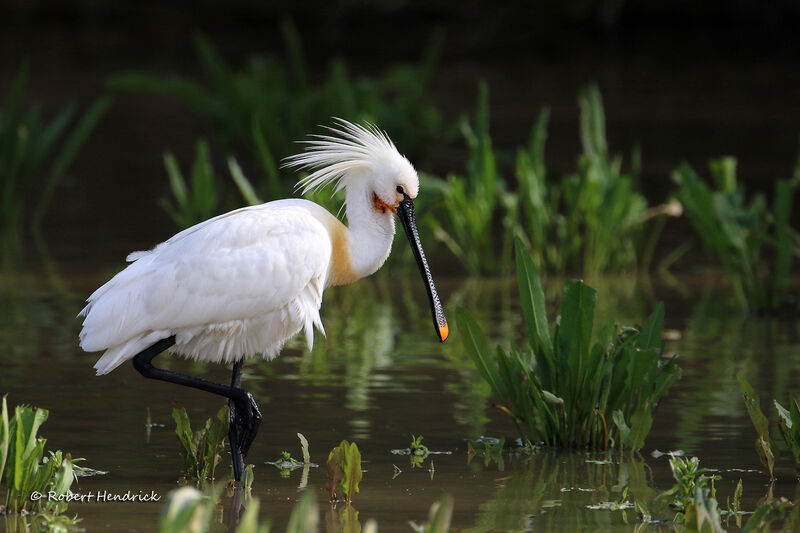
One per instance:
(243, 283)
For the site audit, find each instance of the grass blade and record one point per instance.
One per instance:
(478, 346)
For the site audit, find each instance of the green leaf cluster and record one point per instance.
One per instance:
(742, 236)
(788, 422)
(469, 206)
(593, 220)
(690, 478)
(567, 387)
(344, 470)
(26, 467)
(203, 447)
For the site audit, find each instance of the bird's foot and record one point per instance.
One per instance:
(245, 418)
(253, 422)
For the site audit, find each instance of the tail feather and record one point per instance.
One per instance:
(116, 355)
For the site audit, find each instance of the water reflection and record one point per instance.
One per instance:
(566, 491)
(718, 341)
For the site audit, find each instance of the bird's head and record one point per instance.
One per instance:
(363, 158)
(391, 181)
(355, 155)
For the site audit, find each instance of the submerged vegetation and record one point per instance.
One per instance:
(574, 387)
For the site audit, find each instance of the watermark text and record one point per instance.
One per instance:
(100, 496)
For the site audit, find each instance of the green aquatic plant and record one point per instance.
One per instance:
(564, 388)
(766, 448)
(702, 514)
(594, 220)
(344, 470)
(190, 510)
(439, 517)
(788, 422)
(734, 507)
(259, 111)
(29, 471)
(187, 509)
(203, 447)
(472, 206)
(774, 509)
(197, 200)
(286, 463)
(416, 451)
(743, 236)
(690, 478)
(28, 141)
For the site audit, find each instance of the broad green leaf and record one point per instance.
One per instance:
(534, 311)
(753, 405)
(624, 431)
(64, 476)
(575, 334)
(352, 469)
(335, 470)
(304, 448)
(641, 422)
(764, 445)
(650, 336)
(478, 346)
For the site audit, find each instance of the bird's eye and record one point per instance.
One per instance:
(400, 190)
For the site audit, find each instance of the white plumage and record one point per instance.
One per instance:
(244, 282)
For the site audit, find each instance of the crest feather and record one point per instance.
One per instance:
(349, 150)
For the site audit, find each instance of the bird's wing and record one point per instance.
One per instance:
(235, 267)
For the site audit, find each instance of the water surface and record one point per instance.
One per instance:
(381, 376)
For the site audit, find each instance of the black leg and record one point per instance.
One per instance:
(245, 415)
(249, 431)
(235, 427)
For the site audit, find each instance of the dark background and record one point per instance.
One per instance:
(683, 80)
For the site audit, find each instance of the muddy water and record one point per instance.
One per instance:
(379, 377)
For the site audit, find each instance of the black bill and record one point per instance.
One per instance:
(405, 212)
